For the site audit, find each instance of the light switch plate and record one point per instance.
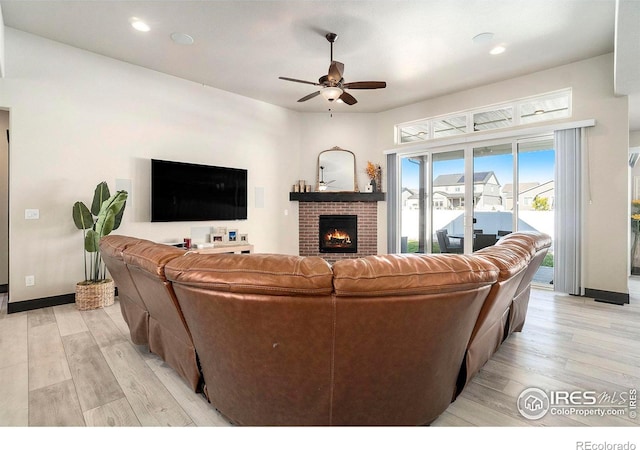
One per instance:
(31, 214)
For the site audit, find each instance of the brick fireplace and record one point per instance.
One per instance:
(361, 205)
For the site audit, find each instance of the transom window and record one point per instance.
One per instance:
(541, 108)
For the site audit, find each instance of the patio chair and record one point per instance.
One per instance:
(483, 240)
(446, 246)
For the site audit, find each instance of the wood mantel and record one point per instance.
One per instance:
(337, 196)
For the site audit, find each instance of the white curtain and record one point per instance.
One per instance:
(392, 203)
(569, 198)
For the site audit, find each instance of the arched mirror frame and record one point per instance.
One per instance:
(338, 176)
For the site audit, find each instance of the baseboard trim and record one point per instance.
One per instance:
(28, 305)
(614, 298)
(4, 288)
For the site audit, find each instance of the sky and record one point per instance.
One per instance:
(535, 166)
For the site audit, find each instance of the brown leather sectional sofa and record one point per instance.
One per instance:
(288, 340)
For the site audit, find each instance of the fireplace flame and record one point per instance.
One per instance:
(337, 237)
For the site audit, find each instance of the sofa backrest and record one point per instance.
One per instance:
(169, 336)
(134, 311)
(538, 244)
(402, 324)
(263, 328)
(489, 330)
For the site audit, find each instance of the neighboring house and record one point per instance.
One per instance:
(448, 191)
(544, 190)
(527, 192)
(507, 193)
(410, 198)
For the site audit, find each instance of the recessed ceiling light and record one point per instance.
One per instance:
(181, 38)
(497, 50)
(139, 25)
(482, 38)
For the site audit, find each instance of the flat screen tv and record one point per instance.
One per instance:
(193, 192)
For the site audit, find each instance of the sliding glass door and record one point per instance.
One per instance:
(458, 200)
(448, 201)
(433, 202)
(536, 196)
(493, 187)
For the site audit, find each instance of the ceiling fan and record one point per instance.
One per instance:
(323, 185)
(333, 87)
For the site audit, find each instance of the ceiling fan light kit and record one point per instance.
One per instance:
(332, 85)
(331, 93)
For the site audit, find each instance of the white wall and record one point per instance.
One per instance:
(607, 248)
(2, 59)
(4, 198)
(78, 118)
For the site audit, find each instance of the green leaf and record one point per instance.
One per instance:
(120, 214)
(108, 212)
(99, 196)
(82, 216)
(91, 241)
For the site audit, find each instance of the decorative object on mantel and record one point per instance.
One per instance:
(635, 227)
(374, 172)
(105, 215)
(339, 166)
(301, 186)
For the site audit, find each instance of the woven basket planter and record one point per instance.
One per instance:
(90, 295)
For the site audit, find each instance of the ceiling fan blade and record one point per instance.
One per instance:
(307, 97)
(366, 85)
(299, 81)
(348, 98)
(335, 71)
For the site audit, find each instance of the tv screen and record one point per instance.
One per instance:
(194, 192)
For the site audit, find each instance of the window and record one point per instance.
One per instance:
(493, 119)
(449, 126)
(544, 107)
(414, 132)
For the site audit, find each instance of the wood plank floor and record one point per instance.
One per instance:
(63, 367)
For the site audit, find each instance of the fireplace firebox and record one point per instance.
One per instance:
(338, 234)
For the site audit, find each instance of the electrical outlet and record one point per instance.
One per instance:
(30, 280)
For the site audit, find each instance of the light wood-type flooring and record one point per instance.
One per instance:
(63, 367)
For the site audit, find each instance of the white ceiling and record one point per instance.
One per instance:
(422, 49)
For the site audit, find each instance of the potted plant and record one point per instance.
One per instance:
(105, 215)
(374, 172)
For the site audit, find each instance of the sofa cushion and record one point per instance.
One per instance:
(530, 240)
(151, 257)
(409, 274)
(509, 258)
(255, 273)
(114, 244)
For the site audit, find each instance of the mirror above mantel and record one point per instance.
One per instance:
(336, 171)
